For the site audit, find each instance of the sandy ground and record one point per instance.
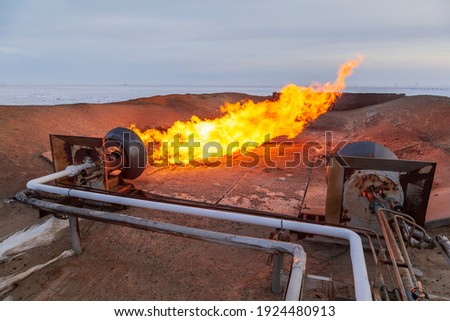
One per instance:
(124, 264)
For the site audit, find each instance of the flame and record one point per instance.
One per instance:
(248, 121)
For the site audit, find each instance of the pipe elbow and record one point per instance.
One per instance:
(352, 236)
(31, 184)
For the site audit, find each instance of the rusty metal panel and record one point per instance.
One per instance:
(415, 177)
(71, 150)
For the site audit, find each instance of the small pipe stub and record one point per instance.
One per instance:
(418, 293)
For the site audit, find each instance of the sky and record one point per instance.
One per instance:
(251, 43)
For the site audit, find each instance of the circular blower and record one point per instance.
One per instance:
(125, 152)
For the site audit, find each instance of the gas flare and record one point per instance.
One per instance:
(247, 121)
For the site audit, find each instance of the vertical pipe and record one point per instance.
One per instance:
(391, 254)
(277, 264)
(75, 235)
(403, 276)
(404, 251)
(298, 268)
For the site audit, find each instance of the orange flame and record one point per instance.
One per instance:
(248, 121)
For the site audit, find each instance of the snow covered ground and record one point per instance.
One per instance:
(36, 235)
(56, 95)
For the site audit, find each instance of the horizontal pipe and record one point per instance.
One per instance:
(360, 277)
(70, 171)
(296, 250)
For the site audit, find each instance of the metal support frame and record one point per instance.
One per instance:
(360, 277)
(294, 287)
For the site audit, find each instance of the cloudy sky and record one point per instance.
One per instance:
(254, 42)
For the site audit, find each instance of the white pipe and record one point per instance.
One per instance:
(297, 272)
(70, 171)
(360, 277)
(298, 265)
